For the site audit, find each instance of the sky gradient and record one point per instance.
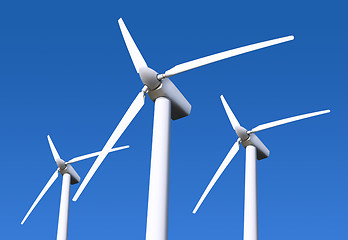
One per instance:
(65, 71)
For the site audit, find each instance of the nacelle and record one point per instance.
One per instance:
(179, 105)
(262, 150)
(75, 178)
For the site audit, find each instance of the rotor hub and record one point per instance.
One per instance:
(149, 77)
(242, 133)
(60, 164)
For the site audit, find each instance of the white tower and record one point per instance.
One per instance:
(69, 177)
(255, 150)
(169, 103)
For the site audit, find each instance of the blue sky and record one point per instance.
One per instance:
(65, 71)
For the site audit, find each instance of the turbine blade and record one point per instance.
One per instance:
(286, 120)
(229, 112)
(44, 190)
(218, 173)
(132, 111)
(77, 159)
(223, 55)
(133, 50)
(53, 149)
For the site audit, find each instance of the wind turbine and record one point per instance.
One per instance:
(169, 103)
(255, 149)
(69, 177)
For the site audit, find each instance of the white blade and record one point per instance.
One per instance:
(218, 173)
(77, 159)
(44, 190)
(223, 55)
(286, 120)
(53, 149)
(133, 50)
(229, 112)
(132, 111)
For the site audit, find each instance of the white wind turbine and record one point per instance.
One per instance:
(169, 103)
(255, 149)
(69, 177)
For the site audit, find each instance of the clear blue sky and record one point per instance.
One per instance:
(65, 71)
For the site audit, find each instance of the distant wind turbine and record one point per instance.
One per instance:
(69, 177)
(169, 103)
(255, 149)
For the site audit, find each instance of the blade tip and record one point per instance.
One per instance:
(196, 208)
(77, 194)
(325, 111)
(24, 219)
(222, 98)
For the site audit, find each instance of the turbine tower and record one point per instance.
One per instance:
(169, 103)
(255, 149)
(69, 177)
